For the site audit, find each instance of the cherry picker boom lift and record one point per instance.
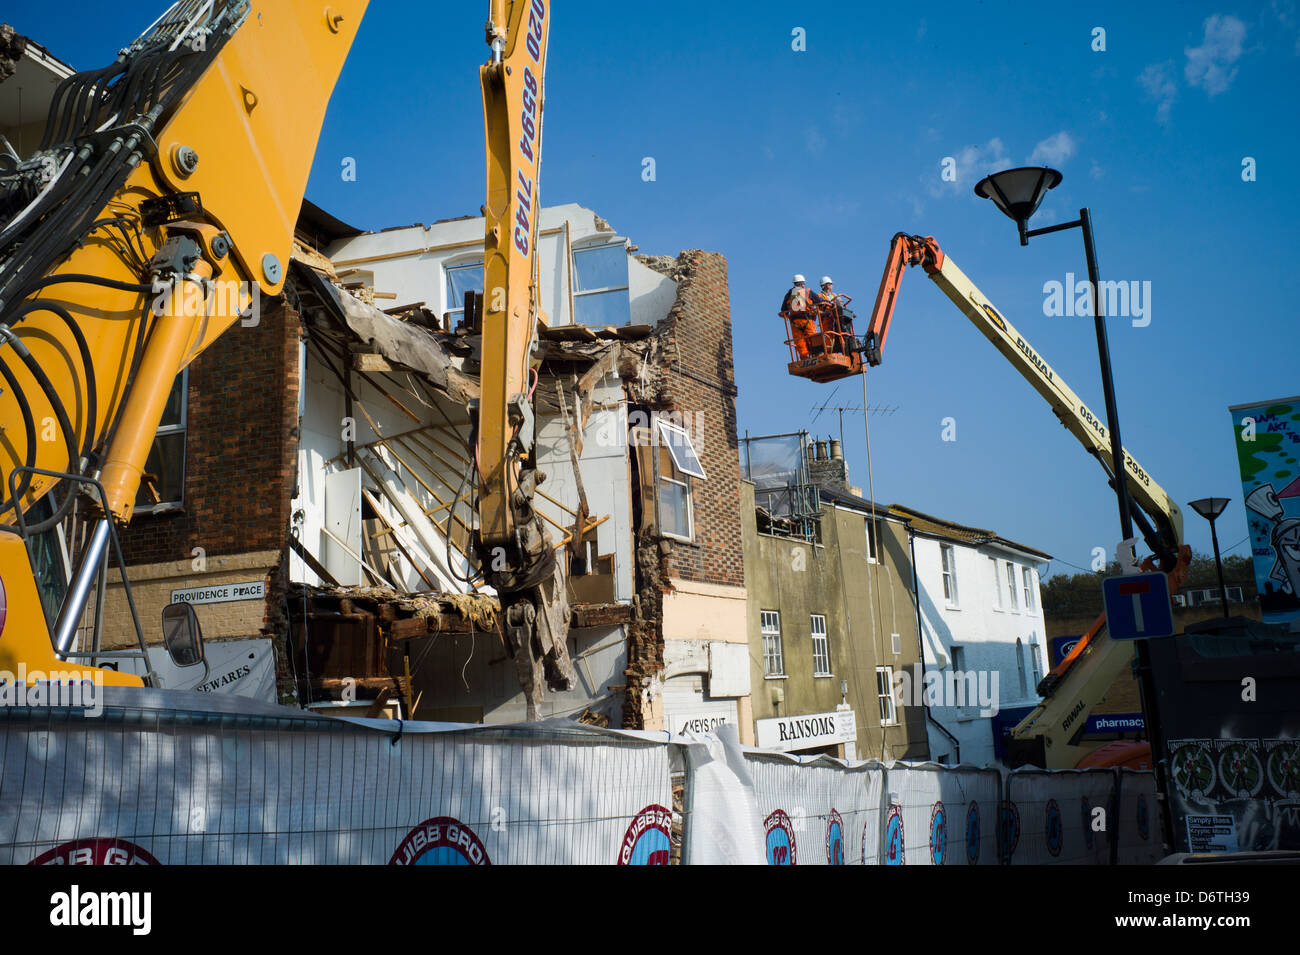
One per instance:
(1049, 735)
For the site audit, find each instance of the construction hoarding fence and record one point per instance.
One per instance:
(165, 777)
(212, 783)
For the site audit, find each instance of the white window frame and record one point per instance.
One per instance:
(167, 429)
(997, 584)
(773, 654)
(948, 574)
(1027, 576)
(821, 649)
(685, 436)
(573, 275)
(1020, 666)
(1035, 664)
(456, 310)
(873, 540)
(677, 477)
(885, 698)
(1011, 587)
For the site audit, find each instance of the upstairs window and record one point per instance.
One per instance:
(873, 540)
(600, 289)
(461, 279)
(163, 484)
(1027, 576)
(997, 584)
(678, 465)
(1011, 587)
(949, 561)
(885, 696)
(820, 647)
(773, 660)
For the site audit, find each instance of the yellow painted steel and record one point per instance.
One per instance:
(513, 93)
(1077, 417)
(1057, 718)
(254, 118)
(24, 639)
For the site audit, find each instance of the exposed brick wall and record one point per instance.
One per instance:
(240, 447)
(700, 384)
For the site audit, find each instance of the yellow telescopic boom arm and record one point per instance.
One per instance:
(1079, 681)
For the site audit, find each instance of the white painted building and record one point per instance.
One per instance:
(981, 616)
(587, 274)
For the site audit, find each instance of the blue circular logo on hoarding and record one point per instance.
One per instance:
(780, 839)
(894, 837)
(835, 840)
(441, 840)
(1008, 830)
(1054, 827)
(973, 833)
(938, 834)
(646, 841)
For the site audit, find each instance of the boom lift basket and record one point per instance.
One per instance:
(824, 348)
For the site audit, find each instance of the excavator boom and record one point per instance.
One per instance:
(158, 210)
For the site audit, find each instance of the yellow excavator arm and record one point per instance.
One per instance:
(160, 206)
(1077, 683)
(166, 189)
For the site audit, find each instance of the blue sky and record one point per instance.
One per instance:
(810, 161)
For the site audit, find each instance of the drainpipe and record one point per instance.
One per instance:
(920, 646)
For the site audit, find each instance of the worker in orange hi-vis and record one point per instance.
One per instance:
(837, 320)
(797, 307)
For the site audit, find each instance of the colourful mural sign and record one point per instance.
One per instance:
(1268, 453)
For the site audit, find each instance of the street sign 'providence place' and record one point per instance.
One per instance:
(805, 732)
(221, 593)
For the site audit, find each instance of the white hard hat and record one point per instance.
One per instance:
(826, 280)
(798, 279)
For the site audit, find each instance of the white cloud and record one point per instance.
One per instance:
(1210, 64)
(1095, 170)
(970, 165)
(1054, 150)
(815, 141)
(1158, 81)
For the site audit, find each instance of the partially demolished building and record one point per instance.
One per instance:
(308, 487)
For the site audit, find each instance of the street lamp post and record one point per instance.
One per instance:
(1018, 193)
(1210, 508)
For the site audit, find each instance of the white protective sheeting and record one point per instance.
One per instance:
(1052, 819)
(1139, 818)
(815, 810)
(179, 779)
(722, 825)
(947, 815)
